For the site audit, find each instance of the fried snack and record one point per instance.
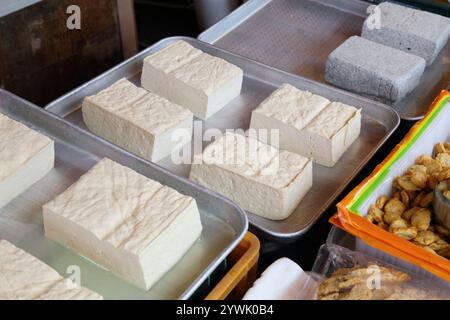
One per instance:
(443, 176)
(425, 238)
(408, 212)
(362, 292)
(421, 219)
(447, 194)
(411, 294)
(381, 202)
(444, 160)
(418, 175)
(439, 245)
(440, 148)
(406, 233)
(427, 200)
(444, 186)
(376, 214)
(398, 224)
(406, 183)
(355, 283)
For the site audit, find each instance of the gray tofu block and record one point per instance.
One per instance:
(421, 33)
(374, 70)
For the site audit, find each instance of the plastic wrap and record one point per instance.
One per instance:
(343, 274)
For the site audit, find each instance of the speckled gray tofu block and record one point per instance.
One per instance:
(421, 33)
(374, 70)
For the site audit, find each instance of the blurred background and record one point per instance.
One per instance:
(41, 59)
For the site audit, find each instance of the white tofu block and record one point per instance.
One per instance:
(125, 222)
(255, 175)
(191, 78)
(26, 156)
(24, 277)
(289, 105)
(332, 132)
(136, 120)
(287, 110)
(308, 124)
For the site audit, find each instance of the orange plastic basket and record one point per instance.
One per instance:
(349, 219)
(244, 261)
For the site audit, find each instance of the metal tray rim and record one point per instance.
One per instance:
(287, 237)
(239, 16)
(243, 217)
(231, 22)
(278, 236)
(50, 105)
(144, 52)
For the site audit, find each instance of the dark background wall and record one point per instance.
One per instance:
(40, 59)
(164, 18)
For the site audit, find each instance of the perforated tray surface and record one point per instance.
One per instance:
(298, 35)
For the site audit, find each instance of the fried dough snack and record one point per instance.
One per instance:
(354, 284)
(408, 213)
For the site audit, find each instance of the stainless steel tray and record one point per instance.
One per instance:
(379, 121)
(298, 35)
(76, 151)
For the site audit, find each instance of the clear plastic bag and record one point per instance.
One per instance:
(343, 274)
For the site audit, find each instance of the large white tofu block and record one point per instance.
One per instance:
(141, 122)
(124, 221)
(308, 124)
(255, 175)
(26, 156)
(287, 110)
(191, 78)
(23, 277)
(332, 132)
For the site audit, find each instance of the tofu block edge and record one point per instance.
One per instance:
(36, 166)
(141, 268)
(254, 196)
(201, 102)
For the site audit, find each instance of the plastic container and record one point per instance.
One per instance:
(341, 238)
(244, 260)
(420, 140)
(334, 257)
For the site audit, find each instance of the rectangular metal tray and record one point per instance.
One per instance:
(379, 121)
(298, 35)
(77, 151)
